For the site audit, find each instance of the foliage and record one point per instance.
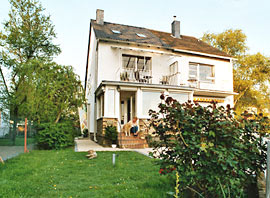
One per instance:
(36, 87)
(51, 92)
(251, 72)
(55, 136)
(19, 141)
(233, 42)
(251, 76)
(209, 147)
(85, 133)
(111, 133)
(27, 35)
(66, 173)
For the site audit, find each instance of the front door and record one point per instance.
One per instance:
(127, 106)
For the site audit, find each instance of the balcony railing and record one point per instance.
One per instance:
(171, 79)
(130, 75)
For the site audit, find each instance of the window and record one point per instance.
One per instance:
(111, 102)
(100, 104)
(201, 72)
(180, 97)
(141, 35)
(174, 68)
(151, 100)
(116, 31)
(136, 62)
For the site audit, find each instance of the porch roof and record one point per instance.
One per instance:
(199, 92)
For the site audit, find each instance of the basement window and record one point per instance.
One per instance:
(116, 31)
(141, 35)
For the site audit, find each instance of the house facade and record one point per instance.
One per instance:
(129, 67)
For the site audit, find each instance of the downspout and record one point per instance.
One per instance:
(87, 60)
(96, 80)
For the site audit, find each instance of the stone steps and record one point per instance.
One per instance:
(131, 141)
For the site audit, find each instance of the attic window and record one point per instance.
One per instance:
(116, 31)
(141, 35)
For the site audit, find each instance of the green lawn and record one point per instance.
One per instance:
(68, 174)
(19, 141)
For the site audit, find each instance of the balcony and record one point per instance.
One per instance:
(131, 75)
(173, 79)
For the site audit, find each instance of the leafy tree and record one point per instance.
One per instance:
(233, 42)
(27, 35)
(52, 92)
(251, 72)
(213, 152)
(251, 79)
(36, 87)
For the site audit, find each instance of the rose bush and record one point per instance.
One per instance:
(213, 152)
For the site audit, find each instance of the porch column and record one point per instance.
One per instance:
(138, 102)
(131, 108)
(106, 102)
(117, 108)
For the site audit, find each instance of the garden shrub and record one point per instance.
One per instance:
(214, 153)
(85, 133)
(55, 135)
(111, 133)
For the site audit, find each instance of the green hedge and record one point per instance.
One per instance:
(55, 136)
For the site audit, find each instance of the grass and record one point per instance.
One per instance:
(19, 141)
(68, 174)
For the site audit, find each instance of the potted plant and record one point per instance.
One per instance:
(111, 134)
(85, 133)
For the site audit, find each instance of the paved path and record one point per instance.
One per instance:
(7, 152)
(83, 145)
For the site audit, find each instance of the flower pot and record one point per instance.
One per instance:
(114, 145)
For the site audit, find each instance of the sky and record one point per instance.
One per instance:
(72, 21)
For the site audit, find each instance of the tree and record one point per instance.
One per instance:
(52, 91)
(27, 35)
(233, 42)
(37, 88)
(251, 72)
(251, 77)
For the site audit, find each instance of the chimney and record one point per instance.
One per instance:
(100, 16)
(176, 28)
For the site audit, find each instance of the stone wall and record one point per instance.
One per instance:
(145, 127)
(102, 123)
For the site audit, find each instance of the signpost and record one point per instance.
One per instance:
(25, 136)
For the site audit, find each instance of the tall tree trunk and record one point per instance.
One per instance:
(14, 128)
(241, 95)
(4, 80)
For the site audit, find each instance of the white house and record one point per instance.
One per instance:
(129, 67)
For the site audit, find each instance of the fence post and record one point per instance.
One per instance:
(25, 136)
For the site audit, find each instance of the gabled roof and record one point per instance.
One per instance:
(153, 37)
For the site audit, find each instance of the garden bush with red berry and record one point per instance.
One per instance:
(215, 153)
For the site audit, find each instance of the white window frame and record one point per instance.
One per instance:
(174, 68)
(100, 106)
(136, 61)
(197, 77)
